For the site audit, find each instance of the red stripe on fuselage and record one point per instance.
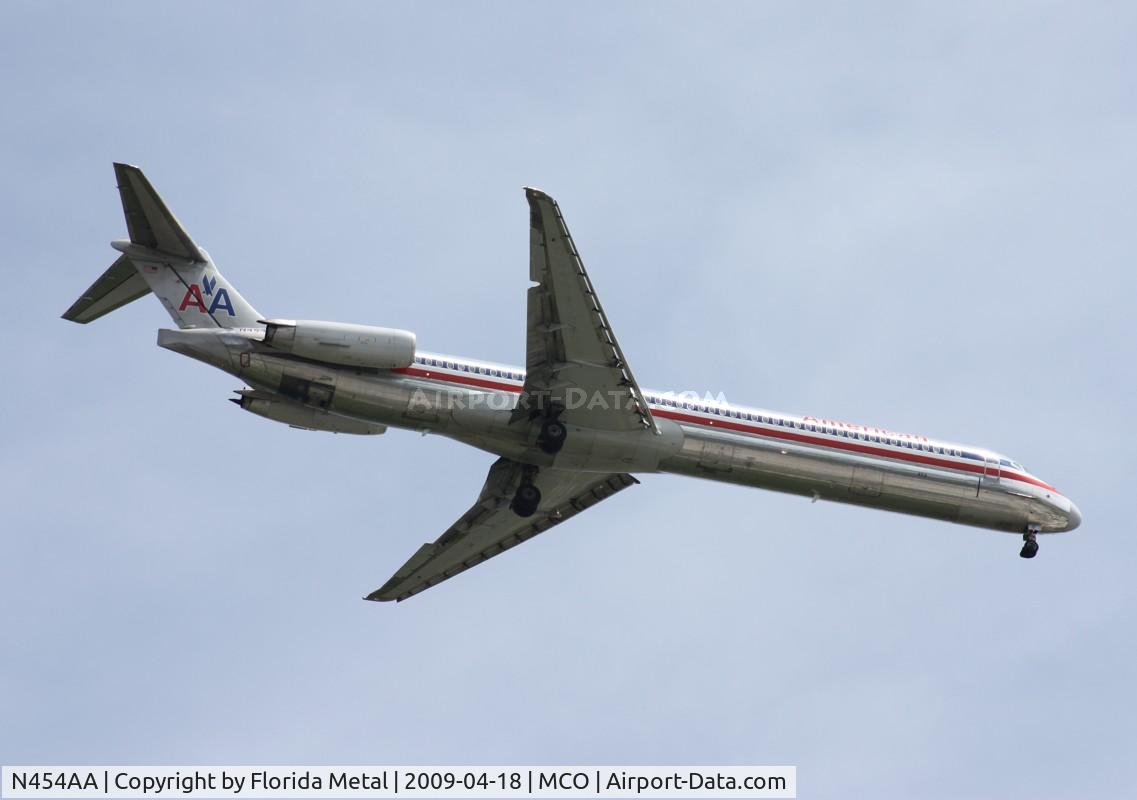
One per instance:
(465, 380)
(754, 430)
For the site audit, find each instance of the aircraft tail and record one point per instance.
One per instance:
(160, 257)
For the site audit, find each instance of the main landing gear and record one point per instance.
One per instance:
(527, 497)
(552, 437)
(1030, 543)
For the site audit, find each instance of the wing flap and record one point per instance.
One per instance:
(490, 527)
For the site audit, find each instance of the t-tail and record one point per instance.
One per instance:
(160, 257)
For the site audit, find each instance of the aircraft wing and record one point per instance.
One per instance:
(573, 361)
(491, 527)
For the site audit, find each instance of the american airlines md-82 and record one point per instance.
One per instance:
(570, 429)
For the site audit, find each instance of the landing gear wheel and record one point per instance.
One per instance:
(552, 437)
(526, 500)
(1030, 545)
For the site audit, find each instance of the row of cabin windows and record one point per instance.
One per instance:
(813, 426)
(736, 414)
(471, 368)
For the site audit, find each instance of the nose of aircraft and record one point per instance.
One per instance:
(1073, 517)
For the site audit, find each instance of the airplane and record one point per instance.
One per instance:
(570, 429)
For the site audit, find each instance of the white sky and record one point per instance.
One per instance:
(914, 216)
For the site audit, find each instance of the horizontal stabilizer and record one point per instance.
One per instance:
(150, 223)
(116, 287)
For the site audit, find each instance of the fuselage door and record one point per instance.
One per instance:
(717, 456)
(991, 469)
(867, 481)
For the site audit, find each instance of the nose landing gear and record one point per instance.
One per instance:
(1030, 543)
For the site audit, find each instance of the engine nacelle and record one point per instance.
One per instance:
(298, 416)
(342, 343)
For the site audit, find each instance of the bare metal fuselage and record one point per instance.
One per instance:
(473, 402)
(570, 431)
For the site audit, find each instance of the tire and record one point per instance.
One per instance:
(552, 437)
(526, 501)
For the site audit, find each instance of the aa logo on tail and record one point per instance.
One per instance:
(195, 299)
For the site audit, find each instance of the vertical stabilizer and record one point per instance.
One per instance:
(148, 220)
(162, 258)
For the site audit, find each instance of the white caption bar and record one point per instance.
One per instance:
(311, 783)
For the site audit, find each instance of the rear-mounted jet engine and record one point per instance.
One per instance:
(342, 343)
